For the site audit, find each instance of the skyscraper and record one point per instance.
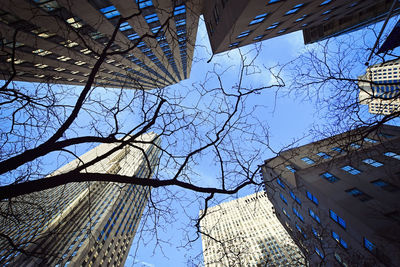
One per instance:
(246, 232)
(380, 88)
(58, 41)
(235, 23)
(338, 197)
(84, 224)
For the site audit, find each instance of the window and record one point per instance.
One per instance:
(85, 51)
(283, 198)
(324, 155)
(307, 160)
(386, 135)
(350, 169)
(355, 145)
(273, 26)
(280, 183)
(301, 18)
(234, 44)
(273, 1)
(258, 19)
(297, 213)
(258, 37)
(373, 141)
(372, 162)
(42, 52)
(339, 239)
(319, 253)
(41, 66)
(330, 177)
(294, 9)
(338, 149)
(369, 245)
(144, 3)
(337, 219)
(393, 155)
(325, 2)
(300, 230)
(295, 198)
(179, 10)
(124, 26)
(151, 18)
(312, 197)
(63, 58)
(316, 234)
(243, 34)
(74, 23)
(281, 31)
(385, 185)
(327, 12)
(290, 168)
(314, 215)
(285, 212)
(109, 12)
(358, 194)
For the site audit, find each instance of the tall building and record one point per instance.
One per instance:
(246, 232)
(57, 41)
(339, 197)
(380, 88)
(235, 23)
(82, 224)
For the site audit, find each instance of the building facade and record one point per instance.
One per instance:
(80, 224)
(59, 41)
(235, 23)
(338, 197)
(380, 88)
(246, 232)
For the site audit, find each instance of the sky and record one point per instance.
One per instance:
(288, 117)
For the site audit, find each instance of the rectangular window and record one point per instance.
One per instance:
(109, 12)
(273, 26)
(300, 230)
(124, 26)
(373, 141)
(312, 197)
(358, 194)
(258, 19)
(324, 155)
(234, 44)
(307, 160)
(285, 212)
(372, 162)
(151, 18)
(283, 198)
(339, 239)
(392, 155)
(144, 3)
(369, 245)
(337, 149)
(274, 1)
(337, 219)
(294, 9)
(243, 34)
(280, 183)
(290, 168)
(179, 10)
(355, 145)
(325, 2)
(258, 37)
(319, 253)
(295, 197)
(351, 170)
(314, 215)
(297, 213)
(385, 185)
(329, 177)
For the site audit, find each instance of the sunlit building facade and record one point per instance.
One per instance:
(246, 232)
(59, 41)
(80, 224)
(380, 88)
(338, 197)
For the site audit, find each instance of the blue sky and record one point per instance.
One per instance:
(288, 118)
